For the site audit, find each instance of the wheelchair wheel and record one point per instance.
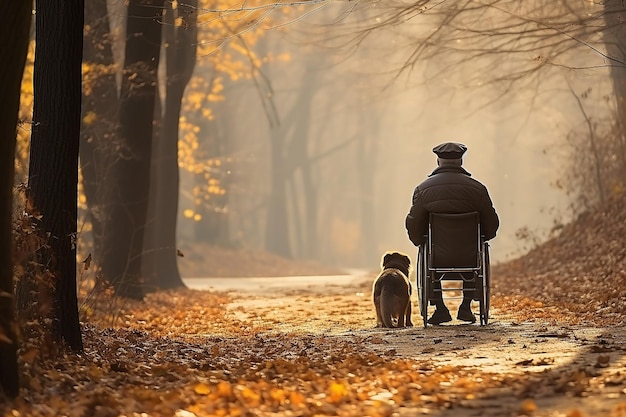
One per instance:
(485, 290)
(422, 284)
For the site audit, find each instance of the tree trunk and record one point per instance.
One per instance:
(15, 20)
(615, 40)
(300, 119)
(100, 108)
(148, 263)
(130, 172)
(366, 168)
(53, 169)
(277, 228)
(180, 55)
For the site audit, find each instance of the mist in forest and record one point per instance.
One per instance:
(365, 131)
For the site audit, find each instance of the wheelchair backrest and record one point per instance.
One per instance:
(454, 240)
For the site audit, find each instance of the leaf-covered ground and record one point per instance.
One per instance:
(556, 346)
(582, 271)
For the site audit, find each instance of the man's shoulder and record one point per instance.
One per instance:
(449, 177)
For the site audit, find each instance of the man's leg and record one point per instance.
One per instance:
(441, 314)
(465, 309)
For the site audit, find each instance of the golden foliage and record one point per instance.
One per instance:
(227, 34)
(92, 72)
(25, 117)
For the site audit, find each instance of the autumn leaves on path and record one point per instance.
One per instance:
(313, 350)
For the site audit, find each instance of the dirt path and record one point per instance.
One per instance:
(550, 369)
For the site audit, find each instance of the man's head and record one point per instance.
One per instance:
(450, 153)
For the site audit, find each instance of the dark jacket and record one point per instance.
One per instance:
(450, 189)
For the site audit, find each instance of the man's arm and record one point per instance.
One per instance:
(417, 220)
(489, 218)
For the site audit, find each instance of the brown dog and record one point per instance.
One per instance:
(392, 291)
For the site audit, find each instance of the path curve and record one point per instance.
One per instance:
(341, 306)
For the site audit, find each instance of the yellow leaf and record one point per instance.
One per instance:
(224, 389)
(296, 398)
(202, 389)
(86, 310)
(278, 395)
(250, 397)
(89, 118)
(337, 392)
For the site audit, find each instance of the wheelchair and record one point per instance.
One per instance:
(454, 250)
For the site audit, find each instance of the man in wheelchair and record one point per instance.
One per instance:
(450, 189)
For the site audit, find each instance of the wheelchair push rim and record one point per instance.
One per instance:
(422, 287)
(486, 285)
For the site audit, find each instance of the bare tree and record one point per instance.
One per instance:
(510, 46)
(53, 169)
(128, 186)
(15, 20)
(180, 37)
(99, 116)
(614, 36)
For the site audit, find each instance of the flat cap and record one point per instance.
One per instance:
(450, 150)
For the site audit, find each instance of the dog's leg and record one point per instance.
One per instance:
(409, 323)
(409, 308)
(376, 297)
(379, 320)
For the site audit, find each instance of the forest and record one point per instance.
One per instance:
(149, 145)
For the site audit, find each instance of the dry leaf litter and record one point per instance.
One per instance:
(184, 353)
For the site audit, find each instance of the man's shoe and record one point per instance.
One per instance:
(441, 315)
(465, 314)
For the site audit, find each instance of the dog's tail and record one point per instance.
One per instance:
(387, 311)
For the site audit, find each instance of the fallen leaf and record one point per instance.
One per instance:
(528, 406)
(202, 389)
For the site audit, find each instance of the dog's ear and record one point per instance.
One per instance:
(386, 258)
